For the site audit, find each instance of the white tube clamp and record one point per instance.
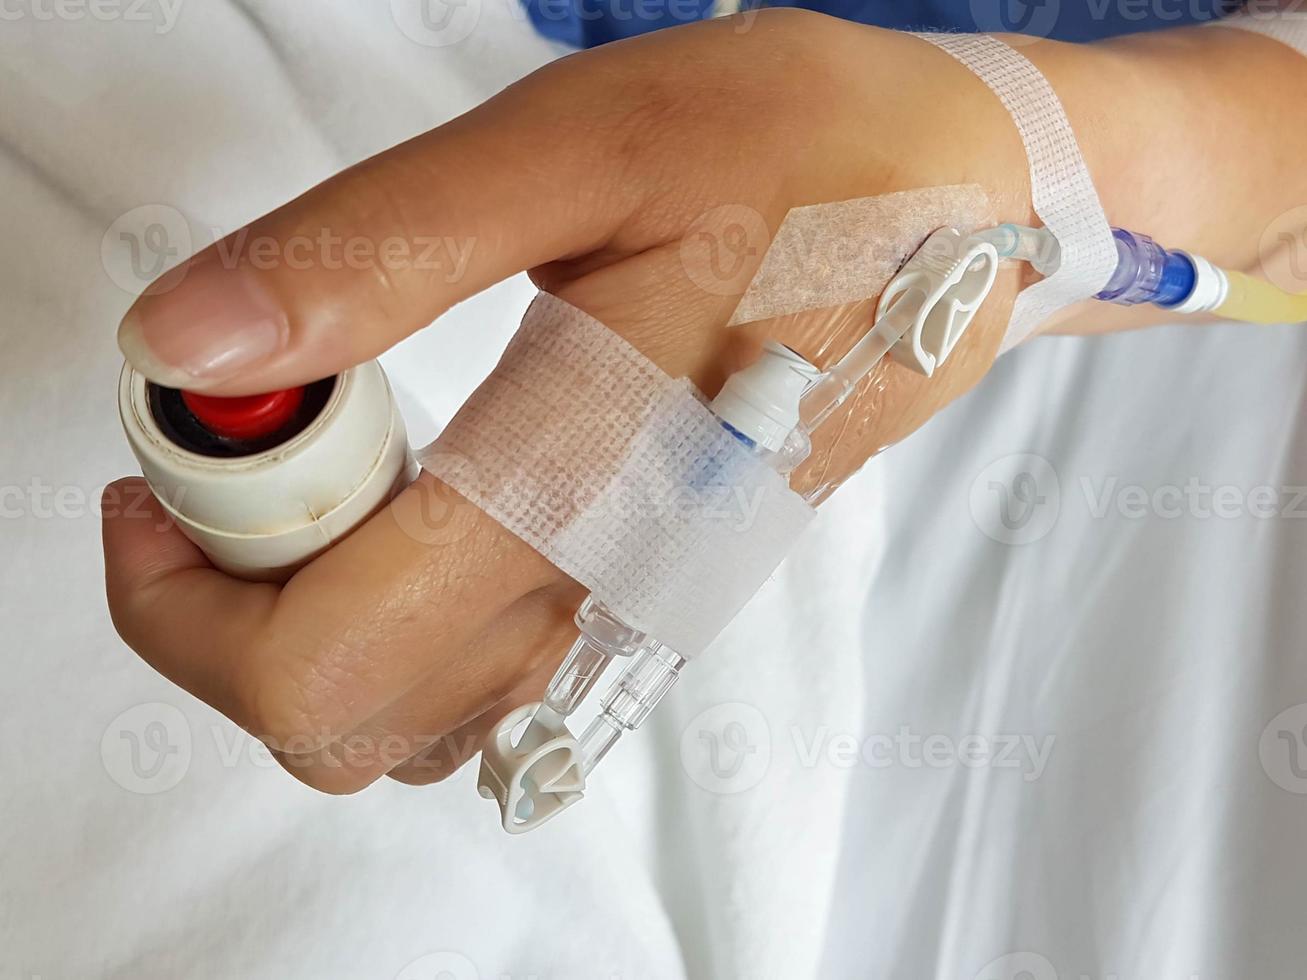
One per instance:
(536, 778)
(946, 280)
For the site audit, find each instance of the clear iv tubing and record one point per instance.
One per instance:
(1258, 301)
(1145, 273)
(629, 701)
(1169, 278)
(654, 667)
(835, 386)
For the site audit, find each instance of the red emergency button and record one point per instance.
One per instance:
(246, 416)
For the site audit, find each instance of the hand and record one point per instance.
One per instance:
(388, 655)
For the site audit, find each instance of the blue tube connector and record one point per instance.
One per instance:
(1147, 273)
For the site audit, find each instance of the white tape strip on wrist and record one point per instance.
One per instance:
(620, 476)
(1286, 26)
(1061, 190)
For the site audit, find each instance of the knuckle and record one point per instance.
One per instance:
(350, 763)
(435, 764)
(290, 702)
(329, 779)
(133, 612)
(124, 615)
(411, 775)
(274, 710)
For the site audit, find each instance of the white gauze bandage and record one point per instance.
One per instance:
(620, 476)
(1062, 192)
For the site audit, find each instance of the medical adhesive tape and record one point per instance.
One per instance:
(1062, 192)
(826, 255)
(620, 476)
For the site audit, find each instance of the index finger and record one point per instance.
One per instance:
(345, 271)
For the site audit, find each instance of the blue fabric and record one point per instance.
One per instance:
(586, 23)
(1063, 20)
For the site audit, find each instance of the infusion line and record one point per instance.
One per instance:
(773, 407)
(1170, 279)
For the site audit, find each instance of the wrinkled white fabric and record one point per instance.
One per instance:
(1094, 616)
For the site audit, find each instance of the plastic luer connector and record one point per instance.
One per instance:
(1147, 273)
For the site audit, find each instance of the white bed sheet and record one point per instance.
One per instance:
(740, 835)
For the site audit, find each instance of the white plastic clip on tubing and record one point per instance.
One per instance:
(1061, 189)
(620, 476)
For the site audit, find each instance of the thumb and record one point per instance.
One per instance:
(379, 251)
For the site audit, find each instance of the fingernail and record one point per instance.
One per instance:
(216, 322)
